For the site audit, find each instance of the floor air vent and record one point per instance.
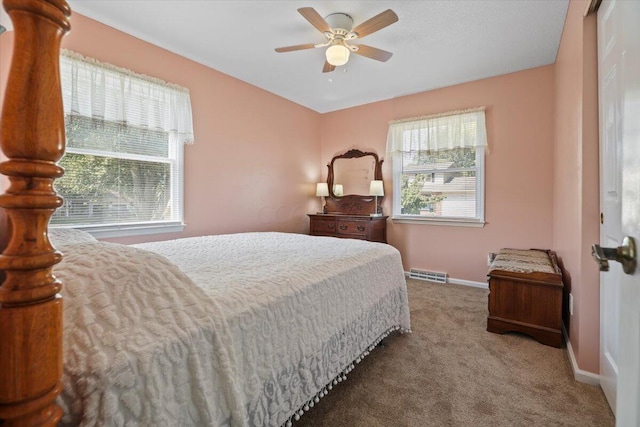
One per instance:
(430, 276)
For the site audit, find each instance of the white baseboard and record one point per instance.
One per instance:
(483, 285)
(579, 375)
(461, 282)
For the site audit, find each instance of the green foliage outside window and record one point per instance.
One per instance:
(413, 201)
(101, 185)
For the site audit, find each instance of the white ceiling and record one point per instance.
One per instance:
(435, 43)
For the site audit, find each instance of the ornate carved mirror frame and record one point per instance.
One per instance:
(353, 204)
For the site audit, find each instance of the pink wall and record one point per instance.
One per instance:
(6, 47)
(257, 158)
(519, 168)
(576, 197)
(254, 164)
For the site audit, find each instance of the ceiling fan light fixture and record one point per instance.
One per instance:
(337, 54)
(338, 29)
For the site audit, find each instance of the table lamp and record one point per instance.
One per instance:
(322, 190)
(376, 189)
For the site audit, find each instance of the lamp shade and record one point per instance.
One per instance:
(337, 54)
(322, 189)
(338, 190)
(376, 188)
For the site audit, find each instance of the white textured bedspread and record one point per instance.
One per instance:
(142, 344)
(273, 320)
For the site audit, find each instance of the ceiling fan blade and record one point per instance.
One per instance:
(315, 19)
(376, 23)
(373, 53)
(328, 67)
(296, 47)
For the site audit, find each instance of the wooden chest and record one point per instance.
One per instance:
(526, 295)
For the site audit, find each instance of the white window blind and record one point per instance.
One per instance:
(125, 135)
(439, 167)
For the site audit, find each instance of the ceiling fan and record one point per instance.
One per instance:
(338, 29)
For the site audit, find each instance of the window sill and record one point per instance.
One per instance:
(126, 230)
(439, 221)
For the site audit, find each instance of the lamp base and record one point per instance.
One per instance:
(376, 214)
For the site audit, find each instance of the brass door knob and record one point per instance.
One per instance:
(624, 254)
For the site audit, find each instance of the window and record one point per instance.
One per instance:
(124, 157)
(438, 168)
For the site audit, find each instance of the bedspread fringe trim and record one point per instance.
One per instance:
(342, 376)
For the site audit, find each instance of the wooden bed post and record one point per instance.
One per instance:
(32, 138)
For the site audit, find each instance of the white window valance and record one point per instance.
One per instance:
(98, 90)
(446, 131)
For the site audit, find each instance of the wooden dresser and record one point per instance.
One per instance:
(349, 216)
(362, 227)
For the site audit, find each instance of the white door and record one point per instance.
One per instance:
(619, 92)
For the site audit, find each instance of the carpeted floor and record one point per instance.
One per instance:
(451, 372)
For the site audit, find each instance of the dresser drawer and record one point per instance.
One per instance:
(352, 228)
(361, 227)
(322, 227)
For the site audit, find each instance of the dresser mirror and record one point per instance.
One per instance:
(354, 175)
(349, 177)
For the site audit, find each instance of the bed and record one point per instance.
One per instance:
(153, 334)
(234, 329)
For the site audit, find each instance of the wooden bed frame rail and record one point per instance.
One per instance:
(32, 138)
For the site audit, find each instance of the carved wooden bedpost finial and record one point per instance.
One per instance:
(32, 138)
